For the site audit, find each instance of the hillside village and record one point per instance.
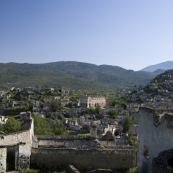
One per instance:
(159, 92)
(77, 114)
(102, 124)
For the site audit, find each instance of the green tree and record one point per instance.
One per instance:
(59, 128)
(41, 126)
(122, 103)
(48, 114)
(132, 138)
(128, 121)
(55, 105)
(112, 113)
(89, 110)
(12, 125)
(98, 108)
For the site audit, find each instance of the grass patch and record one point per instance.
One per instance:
(14, 116)
(83, 134)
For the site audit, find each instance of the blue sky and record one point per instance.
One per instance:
(128, 33)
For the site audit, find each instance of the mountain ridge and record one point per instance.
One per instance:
(167, 65)
(72, 75)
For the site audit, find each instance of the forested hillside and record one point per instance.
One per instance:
(72, 75)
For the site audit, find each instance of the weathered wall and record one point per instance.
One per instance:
(107, 159)
(3, 155)
(22, 140)
(69, 142)
(63, 142)
(154, 132)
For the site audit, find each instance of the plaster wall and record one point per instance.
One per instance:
(154, 135)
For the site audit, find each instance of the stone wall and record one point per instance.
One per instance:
(63, 141)
(3, 155)
(154, 136)
(21, 140)
(84, 159)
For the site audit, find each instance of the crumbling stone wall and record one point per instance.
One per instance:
(154, 136)
(3, 155)
(84, 159)
(24, 157)
(23, 141)
(63, 141)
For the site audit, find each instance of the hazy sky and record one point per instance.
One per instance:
(128, 33)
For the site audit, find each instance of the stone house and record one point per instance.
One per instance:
(119, 107)
(19, 103)
(143, 97)
(72, 112)
(31, 89)
(73, 124)
(119, 118)
(35, 103)
(2, 93)
(104, 128)
(89, 101)
(134, 98)
(57, 114)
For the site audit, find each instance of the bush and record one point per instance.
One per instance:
(112, 113)
(55, 105)
(122, 103)
(59, 128)
(30, 171)
(48, 114)
(128, 121)
(132, 138)
(132, 170)
(12, 125)
(41, 126)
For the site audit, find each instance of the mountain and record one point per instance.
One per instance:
(72, 75)
(158, 71)
(165, 78)
(164, 66)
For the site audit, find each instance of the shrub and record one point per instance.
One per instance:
(132, 170)
(30, 171)
(41, 126)
(12, 125)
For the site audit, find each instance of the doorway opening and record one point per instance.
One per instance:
(10, 162)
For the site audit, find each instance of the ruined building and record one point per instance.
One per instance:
(88, 101)
(53, 152)
(155, 141)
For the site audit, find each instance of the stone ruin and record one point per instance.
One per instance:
(53, 152)
(155, 142)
